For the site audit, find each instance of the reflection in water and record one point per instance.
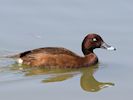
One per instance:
(87, 81)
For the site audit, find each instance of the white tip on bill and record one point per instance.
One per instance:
(111, 48)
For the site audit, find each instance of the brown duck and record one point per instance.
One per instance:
(57, 57)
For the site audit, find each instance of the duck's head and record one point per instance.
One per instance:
(93, 41)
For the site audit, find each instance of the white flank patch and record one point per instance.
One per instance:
(20, 61)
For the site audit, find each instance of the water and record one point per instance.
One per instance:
(28, 24)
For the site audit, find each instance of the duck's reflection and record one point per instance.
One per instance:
(87, 80)
(89, 83)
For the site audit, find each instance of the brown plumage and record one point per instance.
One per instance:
(56, 57)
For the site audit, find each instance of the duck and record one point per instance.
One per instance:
(59, 57)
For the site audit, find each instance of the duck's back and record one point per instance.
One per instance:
(49, 57)
(47, 50)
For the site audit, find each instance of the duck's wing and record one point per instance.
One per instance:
(46, 50)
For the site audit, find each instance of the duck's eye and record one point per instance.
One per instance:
(94, 39)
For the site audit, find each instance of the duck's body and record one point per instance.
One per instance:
(55, 57)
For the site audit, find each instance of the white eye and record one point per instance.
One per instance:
(94, 39)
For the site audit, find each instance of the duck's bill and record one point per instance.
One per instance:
(106, 46)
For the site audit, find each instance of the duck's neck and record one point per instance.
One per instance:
(87, 51)
(90, 57)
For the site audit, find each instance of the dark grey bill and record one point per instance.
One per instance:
(106, 46)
